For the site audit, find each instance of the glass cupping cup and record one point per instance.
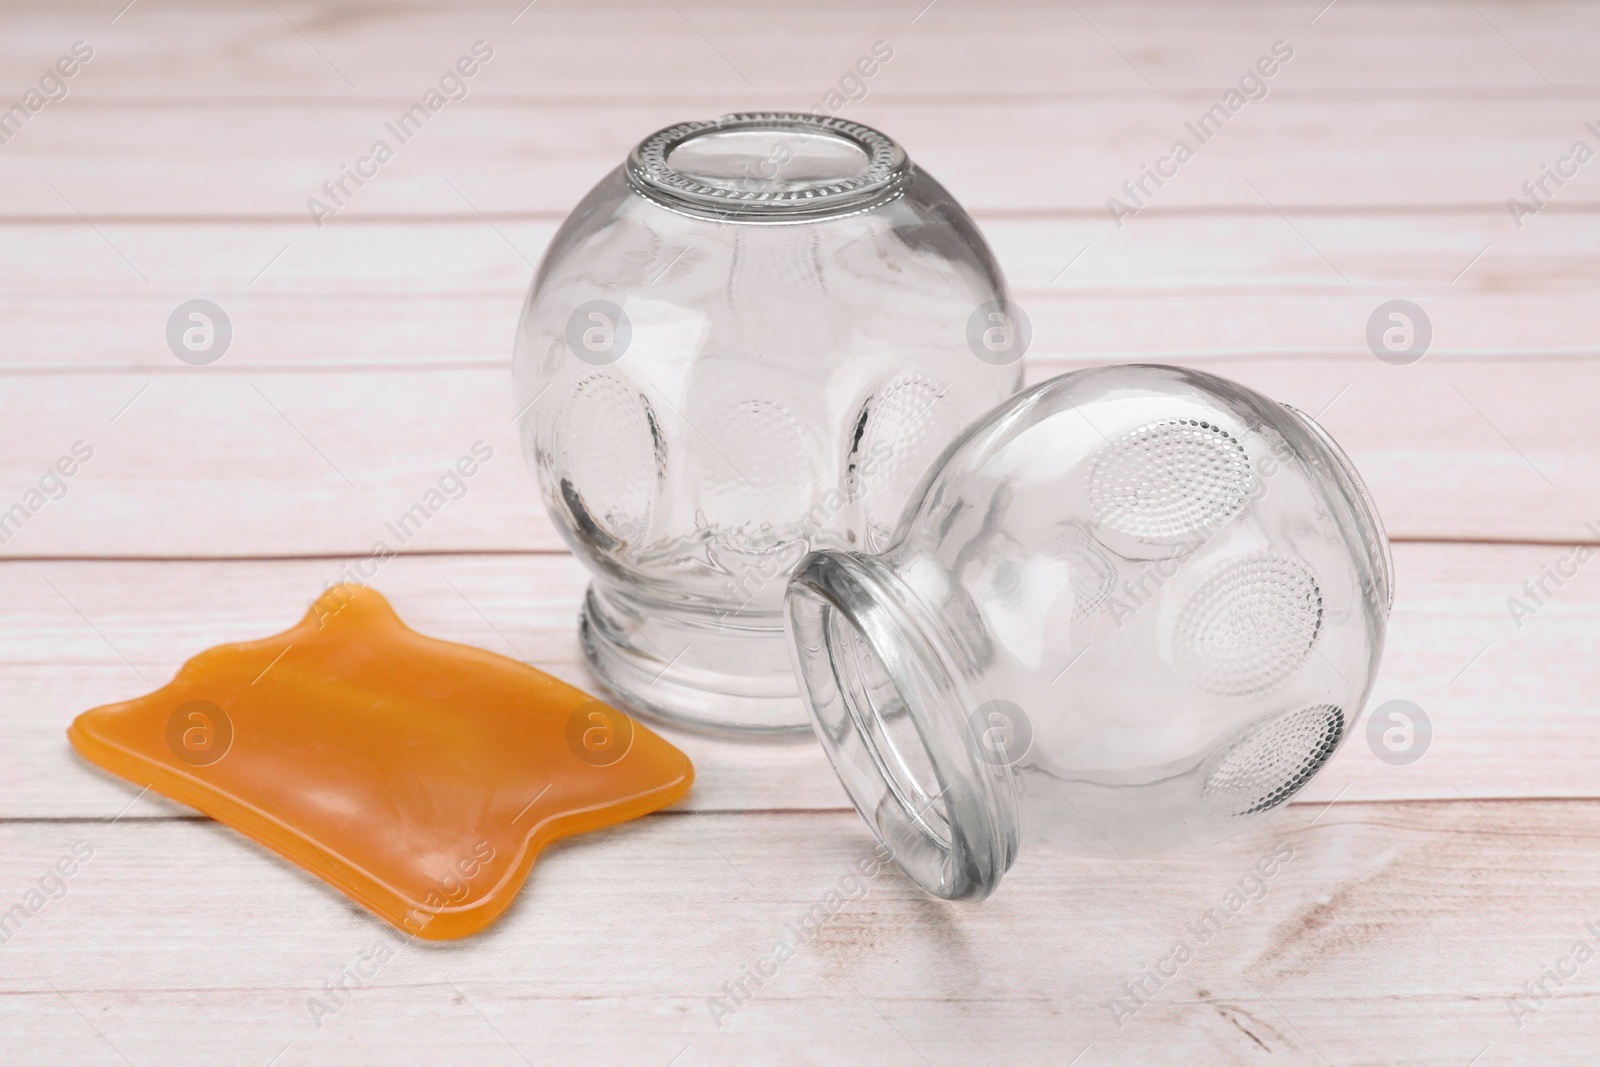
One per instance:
(747, 342)
(1133, 609)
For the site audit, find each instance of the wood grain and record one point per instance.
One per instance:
(1394, 933)
(1052, 155)
(1158, 252)
(574, 53)
(220, 462)
(372, 293)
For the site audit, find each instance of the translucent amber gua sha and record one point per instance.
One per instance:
(418, 776)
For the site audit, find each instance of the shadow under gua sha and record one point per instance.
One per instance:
(418, 776)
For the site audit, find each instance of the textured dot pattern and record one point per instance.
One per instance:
(1090, 573)
(1269, 761)
(908, 423)
(606, 448)
(1249, 625)
(775, 287)
(758, 487)
(1169, 480)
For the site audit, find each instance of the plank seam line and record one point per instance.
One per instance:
(310, 557)
(75, 820)
(1076, 360)
(445, 553)
(1026, 213)
(908, 100)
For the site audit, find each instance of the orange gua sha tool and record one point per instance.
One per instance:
(418, 776)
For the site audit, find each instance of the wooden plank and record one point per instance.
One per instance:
(380, 294)
(1391, 933)
(770, 48)
(1030, 155)
(230, 465)
(226, 462)
(281, 264)
(1510, 706)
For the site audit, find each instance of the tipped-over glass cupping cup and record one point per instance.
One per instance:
(746, 343)
(1133, 609)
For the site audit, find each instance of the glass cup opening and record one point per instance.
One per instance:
(767, 160)
(885, 712)
(769, 167)
(879, 712)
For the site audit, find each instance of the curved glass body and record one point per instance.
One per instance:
(746, 343)
(1135, 608)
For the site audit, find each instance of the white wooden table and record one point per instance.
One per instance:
(370, 352)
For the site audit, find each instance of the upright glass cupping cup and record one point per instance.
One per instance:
(1135, 608)
(746, 343)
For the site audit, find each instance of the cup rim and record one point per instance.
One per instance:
(979, 820)
(1375, 537)
(883, 178)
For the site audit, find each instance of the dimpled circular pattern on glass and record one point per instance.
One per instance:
(908, 422)
(1249, 624)
(776, 291)
(607, 450)
(1270, 761)
(1090, 572)
(1169, 480)
(758, 486)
